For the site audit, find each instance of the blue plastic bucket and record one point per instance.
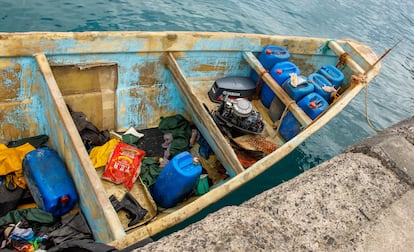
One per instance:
(312, 104)
(333, 74)
(318, 81)
(49, 181)
(280, 72)
(302, 89)
(176, 180)
(270, 55)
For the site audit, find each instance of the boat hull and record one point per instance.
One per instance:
(132, 79)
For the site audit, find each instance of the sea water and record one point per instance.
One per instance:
(378, 23)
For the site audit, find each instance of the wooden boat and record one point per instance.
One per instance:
(124, 79)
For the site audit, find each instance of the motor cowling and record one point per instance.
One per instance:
(239, 113)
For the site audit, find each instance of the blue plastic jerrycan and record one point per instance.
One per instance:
(320, 83)
(303, 88)
(280, 72)
(270, 55)
(176, 180)
(333, 74)
(312, 104)
(49, 181)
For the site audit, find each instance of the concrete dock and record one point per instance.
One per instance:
(360, 200)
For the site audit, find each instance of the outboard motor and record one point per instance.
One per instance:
(239, 114)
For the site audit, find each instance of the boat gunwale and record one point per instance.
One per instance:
(30, 43)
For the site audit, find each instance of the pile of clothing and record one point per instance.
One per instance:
(23, 226)
(33, 229)
(13, 187)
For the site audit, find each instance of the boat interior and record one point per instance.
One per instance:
(134, 81)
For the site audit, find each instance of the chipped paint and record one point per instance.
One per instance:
(9, 79)
(208, 68)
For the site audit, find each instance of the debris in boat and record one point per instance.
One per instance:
(297, 86)
(89, 133)
(256, 143)
(322, 86)
(124, 165)
(131, 136)
(180, 129)
(202, 186)
(100, 155)
(11, 164)
(211, 165)
(151, 142)
(20, 229)
(150, 169)
(296, 80)
(245, 159)
(9, 198)
(238, 115)
(204, 149)
(133, 132)
(168, 138)
(195, 136)
(36, 141)
(134, 210)
(33, 229)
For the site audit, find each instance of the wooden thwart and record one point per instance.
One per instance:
(339, 51)
(107, 226)
(299, 114)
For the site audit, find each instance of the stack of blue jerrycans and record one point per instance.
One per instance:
(313, 93)
(313, 97)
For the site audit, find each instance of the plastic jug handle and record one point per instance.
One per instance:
(290, 69)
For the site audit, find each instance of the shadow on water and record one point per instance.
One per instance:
(286, 169)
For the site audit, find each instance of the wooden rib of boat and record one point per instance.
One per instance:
(124, 79)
